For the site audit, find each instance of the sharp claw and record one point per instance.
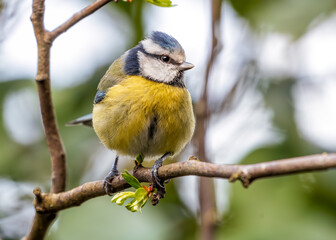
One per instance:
(108, 181)
(156, 180)
(167, 181)
(107, 187)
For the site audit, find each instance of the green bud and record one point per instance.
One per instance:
(139, 158)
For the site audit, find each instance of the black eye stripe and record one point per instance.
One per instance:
(171, 60)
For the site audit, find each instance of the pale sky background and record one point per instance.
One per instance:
(78, 52)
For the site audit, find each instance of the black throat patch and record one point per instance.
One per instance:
(178, 80)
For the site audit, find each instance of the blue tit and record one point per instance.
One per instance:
(142, 105)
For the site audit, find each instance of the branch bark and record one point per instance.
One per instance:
(207, 198)
(53, 137)
(48, 204)
(53, 202)
(44, 38)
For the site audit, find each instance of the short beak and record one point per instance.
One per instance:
(185, 66)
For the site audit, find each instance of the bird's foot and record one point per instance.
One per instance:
(160, 193)
(108, 181)
(157, 182)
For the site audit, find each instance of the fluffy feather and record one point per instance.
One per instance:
(124, 119)
(165, 41)
(142, 105)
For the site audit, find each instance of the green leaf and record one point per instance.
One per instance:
(140, 196)
(131, 180)
(121, 197)
(140, 199)
(139, 158)
(161, 3)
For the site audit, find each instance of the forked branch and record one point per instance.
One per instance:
(47, 204)
(44, 39)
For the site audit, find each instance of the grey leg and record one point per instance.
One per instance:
(154, 171)
(110, 176)
(157, 182)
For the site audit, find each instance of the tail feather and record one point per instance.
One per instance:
(85, 120)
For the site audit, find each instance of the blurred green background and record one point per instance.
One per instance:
(279, 55)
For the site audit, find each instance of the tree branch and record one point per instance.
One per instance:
(47, 204)
(207, 198)
(53, 137)
(51, 202)
(44, 40)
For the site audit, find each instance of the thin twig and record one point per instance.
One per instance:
(53, 137)
(47, 204)
(207, 199)
(245, 173)
(245, 80)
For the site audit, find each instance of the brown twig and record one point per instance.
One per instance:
(44, 40)
(53, 137)
(207, 198)
(47, 204)
(52, 202)
(245, 80)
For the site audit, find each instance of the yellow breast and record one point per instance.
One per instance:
(142, 116)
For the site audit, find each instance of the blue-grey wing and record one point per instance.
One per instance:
(113, 76)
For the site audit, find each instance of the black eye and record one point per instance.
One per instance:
(165, 58)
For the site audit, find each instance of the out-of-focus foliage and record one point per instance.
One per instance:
(293, 207)
(287, 16)
(12, 152)
(134, 11)
(161, 3)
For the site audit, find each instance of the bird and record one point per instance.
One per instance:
(142, 105)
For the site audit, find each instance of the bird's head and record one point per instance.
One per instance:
(159, 57)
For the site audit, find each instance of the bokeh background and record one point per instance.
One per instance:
(271, 94)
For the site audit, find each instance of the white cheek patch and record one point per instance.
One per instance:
(155, 69)
(153, 48)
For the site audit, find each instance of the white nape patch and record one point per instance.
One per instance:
(151, 47)
(155, 69)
